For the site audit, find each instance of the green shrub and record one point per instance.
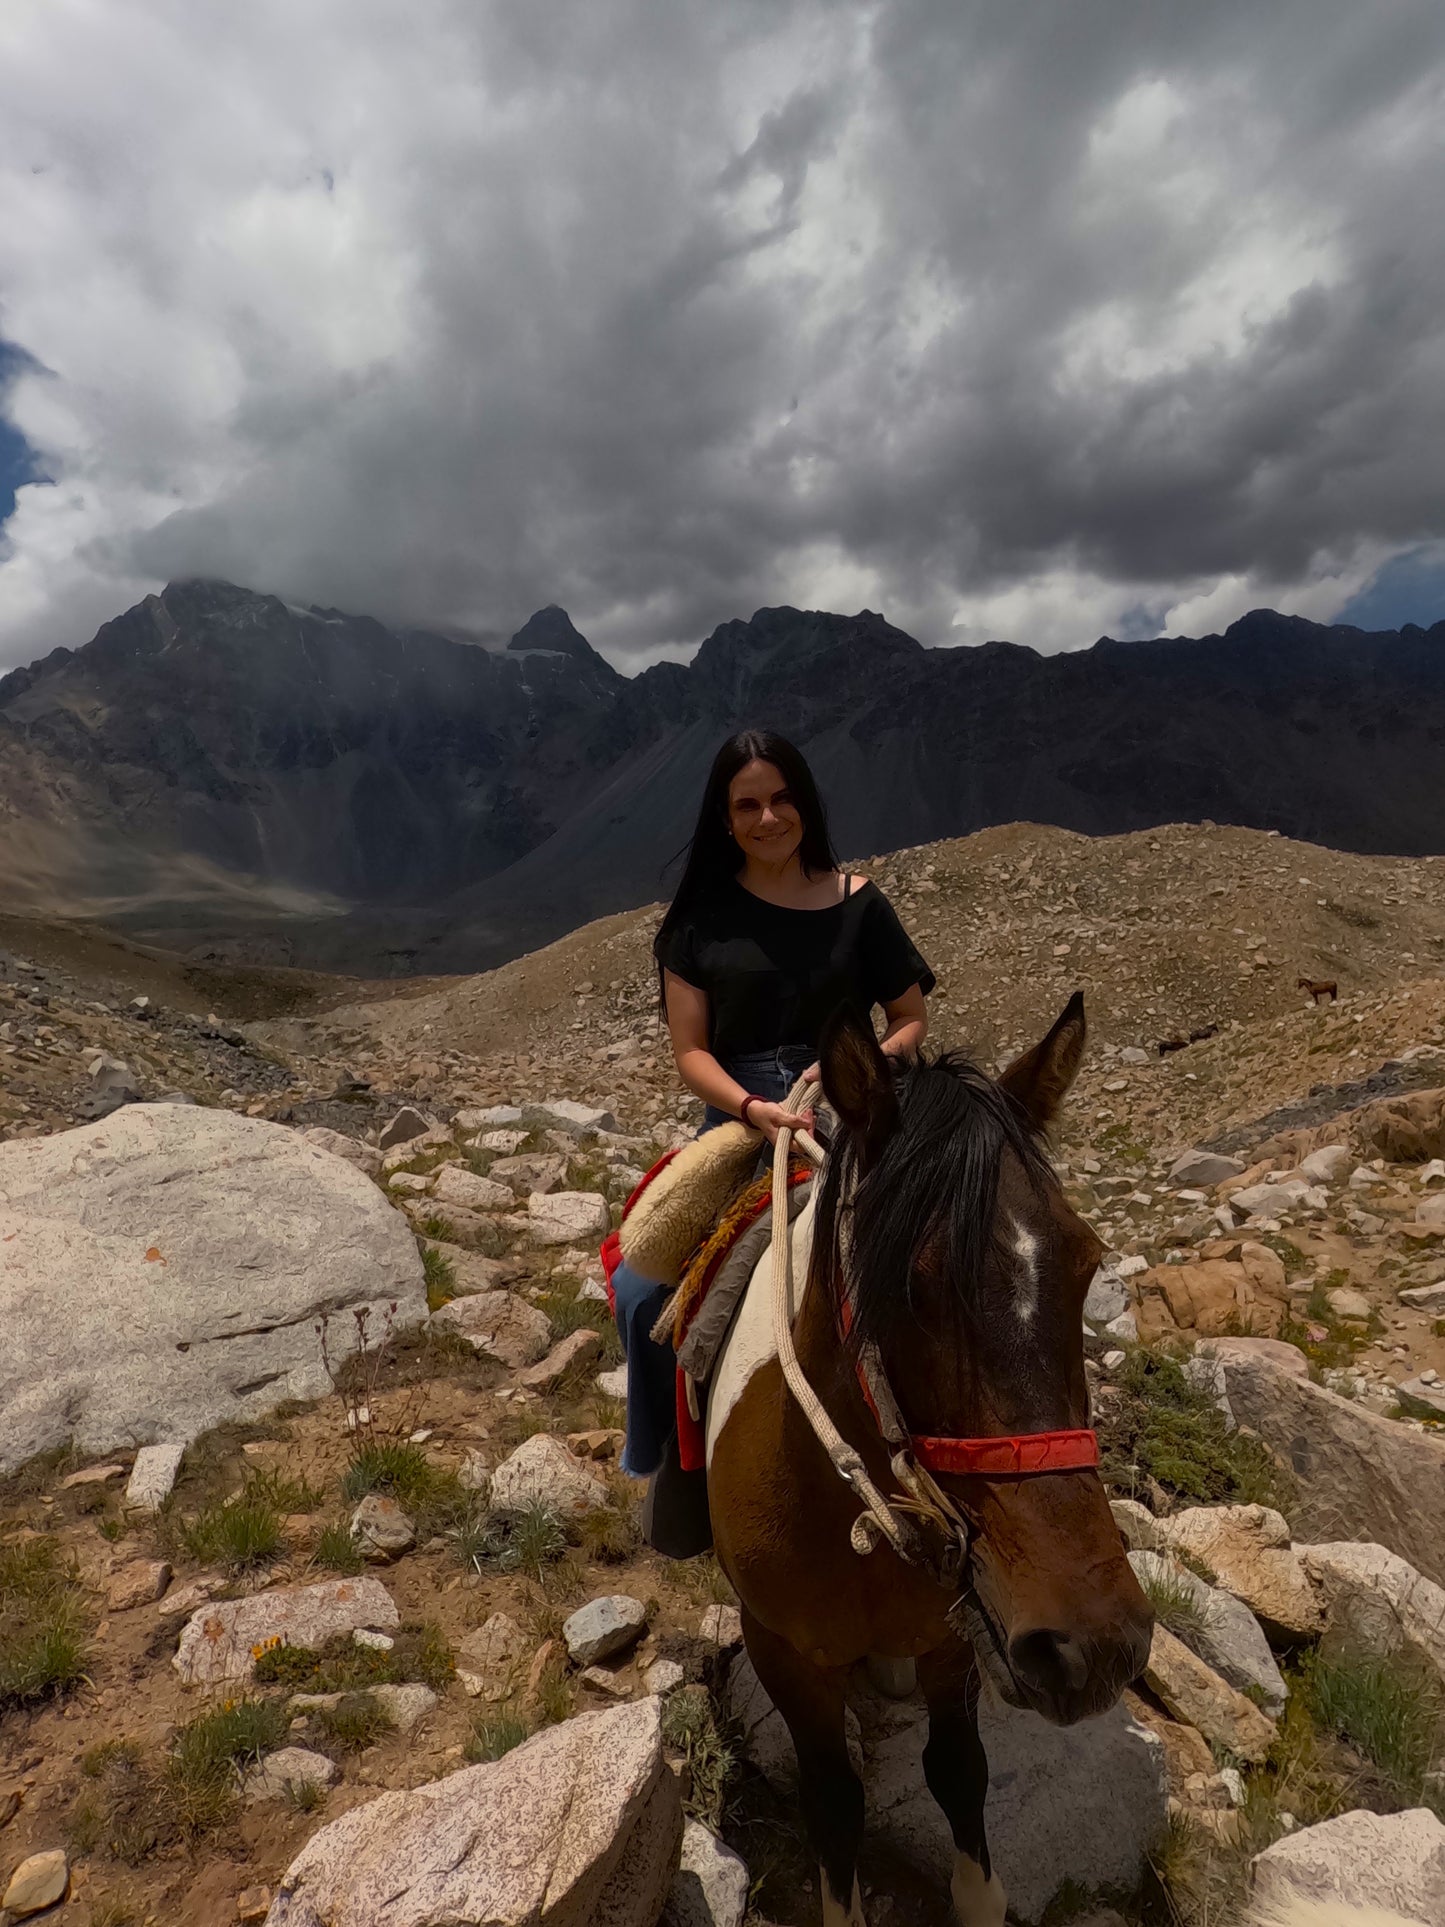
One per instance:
(355, 1723)
(528, 1540)
(201, 1781)
(238, 1536)
(341, 1666)
(337, 1550)
(275, 1488)
(440, 1274)
(1174, 1603)
(1162, 1426)
(493, 1735)
(1387, 1709)
(44, 1623)
(690, 1728)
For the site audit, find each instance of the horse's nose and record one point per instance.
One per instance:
(1050, 1664)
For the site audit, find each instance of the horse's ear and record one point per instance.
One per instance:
(857, 1081)
(1040, 1079)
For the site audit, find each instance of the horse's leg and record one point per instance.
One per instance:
(956, 1769)
(810, 1700)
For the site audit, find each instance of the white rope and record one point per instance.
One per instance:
(846, 1462)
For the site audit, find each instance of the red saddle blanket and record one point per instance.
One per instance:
(701, 1270)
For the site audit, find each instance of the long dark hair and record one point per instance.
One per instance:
(713, 857)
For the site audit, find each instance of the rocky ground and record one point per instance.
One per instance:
(1266, 1341)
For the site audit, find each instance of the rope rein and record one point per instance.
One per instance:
(898, 1522)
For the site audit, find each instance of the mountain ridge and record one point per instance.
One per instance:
(225, 772)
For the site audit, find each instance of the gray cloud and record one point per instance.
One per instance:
(1029, 322)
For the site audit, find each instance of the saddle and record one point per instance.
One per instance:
(682, 1197)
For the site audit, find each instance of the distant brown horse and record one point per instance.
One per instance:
(941, 1229)
(1323, 987)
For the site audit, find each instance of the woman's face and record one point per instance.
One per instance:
(762, 815)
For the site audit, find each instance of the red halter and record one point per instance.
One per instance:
(1011, 1456)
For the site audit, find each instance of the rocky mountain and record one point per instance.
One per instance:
(223, 772)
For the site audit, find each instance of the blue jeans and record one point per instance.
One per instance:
(652, 1368)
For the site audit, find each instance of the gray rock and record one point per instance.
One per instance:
(363, 1156)
(603, 1628)
(109, 1075)
(381, 1529)
(496, 1655)
(536, 1171)
(613, 1384)
(404, 1705)
(1378, 1603)
(1421, 1398)
(153, 1475)
(1125, 1327)
(1328, 1165)
(663, 1676)
(503, 1326)
(1229, 1637)
(710, 1888)
(1425, 1297)
(1108, 1295)
(210, 1245)
(408, 1123)
(1345, 1302)
(1082, 1804)
(452, 1184)
(1204, 1167)
(286, 1772)
(37, 1883)
(1269, 1200)
(496, 1116)
(1132, 1054)
(1355, 1471)
(722, 1626)
(1395, 1862)
(580, 1826)
(560, 1114)
(220, 1640)
(543, 1472)
(567, 1217)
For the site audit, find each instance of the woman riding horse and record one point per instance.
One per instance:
(764, 939)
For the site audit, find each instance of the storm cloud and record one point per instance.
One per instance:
(1036, 322)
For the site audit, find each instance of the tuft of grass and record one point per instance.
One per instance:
(341, 1666)
(1175, 1605)
(439, 1228)
(44, 1623)
(609, 1536)
(435, 1499)
(1386, 1709)
(304, 1796)
(238, 1536)
(690, 1727)
(356, 1723)
(526, 1541)
(337, 1550)
(1162, 1427)
(97, 1761)
(440, 1275)
(200, 1783)
(275, 1488)
(493, 1735)
(554, 1695)
(113, 1910)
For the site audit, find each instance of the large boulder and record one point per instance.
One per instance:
(1214, 1296)
(1196, 1694)
(1224, 1632)
(1403, 1130)
(222, 1641)
(163, 1271)
(580, 1826)
(1391, 1861)
(1247, 1548)
(1356, 1472)
(1377, 1603)
(1080, 1804)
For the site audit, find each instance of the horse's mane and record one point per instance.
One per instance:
(932, 1183)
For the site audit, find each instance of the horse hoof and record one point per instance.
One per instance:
(976, 1901)
(895, 1679)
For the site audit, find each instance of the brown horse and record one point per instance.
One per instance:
(965, 1270)
(1318, 987)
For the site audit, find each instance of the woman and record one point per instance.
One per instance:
(763, 941)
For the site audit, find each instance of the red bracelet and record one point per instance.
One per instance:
(743, 1113)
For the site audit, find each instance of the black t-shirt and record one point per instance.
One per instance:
(774, 976)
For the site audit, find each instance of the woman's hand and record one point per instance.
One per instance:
(772, 1118)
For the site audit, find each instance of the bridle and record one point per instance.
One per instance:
(923, 1526)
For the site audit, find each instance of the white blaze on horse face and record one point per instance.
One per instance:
(1026, 1245)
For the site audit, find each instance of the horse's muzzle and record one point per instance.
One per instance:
(1068, 1677)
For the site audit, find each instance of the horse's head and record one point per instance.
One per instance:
(967, 1270)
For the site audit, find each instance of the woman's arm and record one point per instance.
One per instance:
(687, 1015)
(907, 1022)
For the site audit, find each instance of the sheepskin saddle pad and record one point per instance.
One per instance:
(667, 1222)
(700, 1312)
